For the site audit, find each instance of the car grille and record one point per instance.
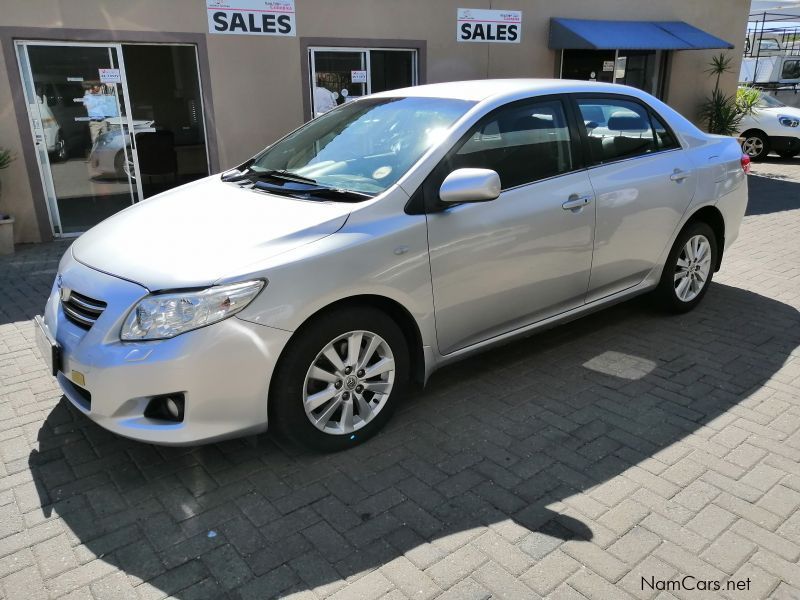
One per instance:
(82, 310)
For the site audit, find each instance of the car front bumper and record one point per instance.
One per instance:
(223, 370)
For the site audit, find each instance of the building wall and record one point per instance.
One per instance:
(255, 80)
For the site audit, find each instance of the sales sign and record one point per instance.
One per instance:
(252, 17)
(499, 26)
(358, 76)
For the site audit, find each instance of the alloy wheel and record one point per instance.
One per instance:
(692, 268)
(753, 146)
(349, 382)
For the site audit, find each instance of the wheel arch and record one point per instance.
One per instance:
(753, 130)
(712, 216)
(396, 311)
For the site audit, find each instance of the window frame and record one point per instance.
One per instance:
(590, 162)
(426, 198)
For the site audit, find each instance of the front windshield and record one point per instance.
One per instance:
(363, 146)
(766, 101)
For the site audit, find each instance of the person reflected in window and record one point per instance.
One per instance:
(324, 99)
(94, 102)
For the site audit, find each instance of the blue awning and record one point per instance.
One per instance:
(589, 34)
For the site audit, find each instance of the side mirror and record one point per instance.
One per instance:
(470, 185)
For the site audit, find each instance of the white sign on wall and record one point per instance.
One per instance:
(110, 76)
(478, 25)
(358, 76)
(252, 17)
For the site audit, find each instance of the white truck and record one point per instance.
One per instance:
(773, 69)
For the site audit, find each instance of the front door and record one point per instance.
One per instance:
(80, 121)
(500, 265)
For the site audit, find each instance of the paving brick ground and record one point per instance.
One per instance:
(626, 445)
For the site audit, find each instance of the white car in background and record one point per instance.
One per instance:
(111, 153)
(47, 129)
(773, 127)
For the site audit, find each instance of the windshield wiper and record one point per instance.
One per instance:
(315, 192)
(281, 174)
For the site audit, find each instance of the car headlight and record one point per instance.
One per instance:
(787, 121)
(162, 316)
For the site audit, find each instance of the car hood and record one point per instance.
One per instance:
(789, 111)
(194, 235)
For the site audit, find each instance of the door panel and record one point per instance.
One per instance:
(500, 265)
(638, 208)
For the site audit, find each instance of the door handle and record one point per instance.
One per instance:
(576, 202)
(678, 175)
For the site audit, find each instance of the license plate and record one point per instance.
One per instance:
(47, 345)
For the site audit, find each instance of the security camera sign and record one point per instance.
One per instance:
(252, 17)
(498, 26)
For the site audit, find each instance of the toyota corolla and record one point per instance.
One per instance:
(309, 286)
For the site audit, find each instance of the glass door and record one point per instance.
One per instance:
(81, 126)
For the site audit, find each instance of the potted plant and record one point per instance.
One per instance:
(6, 220)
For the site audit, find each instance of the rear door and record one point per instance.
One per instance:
(499, 265)
(643, 182)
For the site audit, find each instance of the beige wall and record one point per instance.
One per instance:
(255, 80)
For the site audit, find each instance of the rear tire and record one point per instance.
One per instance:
(788, 153)
(340, 379)
(689, 269)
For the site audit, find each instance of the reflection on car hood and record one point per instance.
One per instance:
(195, 234)
(789, 111)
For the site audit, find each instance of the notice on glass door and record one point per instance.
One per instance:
(498, 26)
(251, 17)
(110, 76)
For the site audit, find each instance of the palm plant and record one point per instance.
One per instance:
(721, 112)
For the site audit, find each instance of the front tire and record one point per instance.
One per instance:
(756, 145)
(689, 269)
(788, 153)
(340, 379)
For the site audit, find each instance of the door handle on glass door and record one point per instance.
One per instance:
(576, 202)
(678, 175)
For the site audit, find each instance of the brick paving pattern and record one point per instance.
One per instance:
(625, 445)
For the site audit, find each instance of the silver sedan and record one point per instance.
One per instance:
(312, 284)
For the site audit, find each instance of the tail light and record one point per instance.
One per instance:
(746, 164)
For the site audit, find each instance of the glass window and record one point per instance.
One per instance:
(665, 139)
(521, 142)
(791, 69)
(617, 129)
(363, 146)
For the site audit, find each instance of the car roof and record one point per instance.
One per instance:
(482, 89)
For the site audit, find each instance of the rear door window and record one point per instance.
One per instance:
(617, 129)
